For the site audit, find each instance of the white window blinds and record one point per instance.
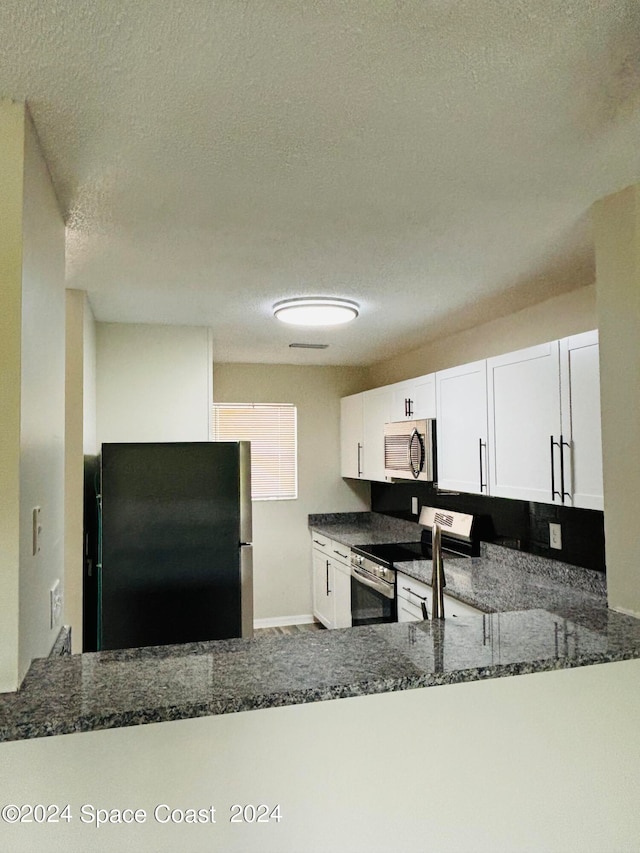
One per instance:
(272, 431)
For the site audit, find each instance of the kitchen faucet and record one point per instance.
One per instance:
(438, 581)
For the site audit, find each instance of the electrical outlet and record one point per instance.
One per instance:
(555, 536)
(55, 601)
(414, 506)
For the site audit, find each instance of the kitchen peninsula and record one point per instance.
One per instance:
(572, 628)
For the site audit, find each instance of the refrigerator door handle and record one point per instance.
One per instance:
(246, 533)
(246, 590)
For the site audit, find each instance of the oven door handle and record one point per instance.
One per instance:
(386, 589)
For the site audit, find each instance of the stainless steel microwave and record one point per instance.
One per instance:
(409, 450)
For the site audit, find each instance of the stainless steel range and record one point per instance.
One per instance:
(373, 574)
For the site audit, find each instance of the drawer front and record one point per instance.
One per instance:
(453, 607)
(321, 543)
(340, 553)
(412, 589)
(411, 593)
(408, 612)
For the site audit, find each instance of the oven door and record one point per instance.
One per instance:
(372, 601)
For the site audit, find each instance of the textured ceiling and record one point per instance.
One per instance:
(433, 160)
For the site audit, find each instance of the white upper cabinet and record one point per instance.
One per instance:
(580, 396)
(461, 428)
(544, 423)
(362, 420)
(351, 435)
(377, 407)
(524, 424)
(414, 399)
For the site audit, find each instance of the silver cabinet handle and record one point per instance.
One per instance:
(408, 589)
(554, 492)
(328, 589)
(359, 468)
(560, 445)
(344, 556)
(481, 444)
(321, 544)
(563, 444)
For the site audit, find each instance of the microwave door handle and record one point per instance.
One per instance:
(415, 469)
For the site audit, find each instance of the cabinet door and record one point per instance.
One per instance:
(376, 413)
(342, 595)
(351, 438)
(461, 428)
(323, 599)
(580, 390)
(414, 399)
(524, 416)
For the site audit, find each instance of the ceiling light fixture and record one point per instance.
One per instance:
(316, 311)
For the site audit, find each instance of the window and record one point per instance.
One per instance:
(272, 431)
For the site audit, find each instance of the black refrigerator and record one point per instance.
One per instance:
(175, 544)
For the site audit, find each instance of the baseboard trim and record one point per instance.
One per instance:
(283, 621)
(626, 612)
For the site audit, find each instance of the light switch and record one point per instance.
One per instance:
(414, 506)
(37, 530)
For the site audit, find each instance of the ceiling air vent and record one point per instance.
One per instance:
(308, 346)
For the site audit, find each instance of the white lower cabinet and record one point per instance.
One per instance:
(323, 600)
(342, 596)
(331, 582)
(413, 594)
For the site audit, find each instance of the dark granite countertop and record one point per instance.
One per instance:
(556, 617)
(501, 579)
(80, 693)
(365, 528)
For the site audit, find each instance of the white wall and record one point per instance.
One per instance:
(282, 553)
(42, 407)
(544, 762)
(89, 366)
(617, 235)
(73, 465)
(11, 195)
(80, 439)
(567, 314)
(153, 383)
